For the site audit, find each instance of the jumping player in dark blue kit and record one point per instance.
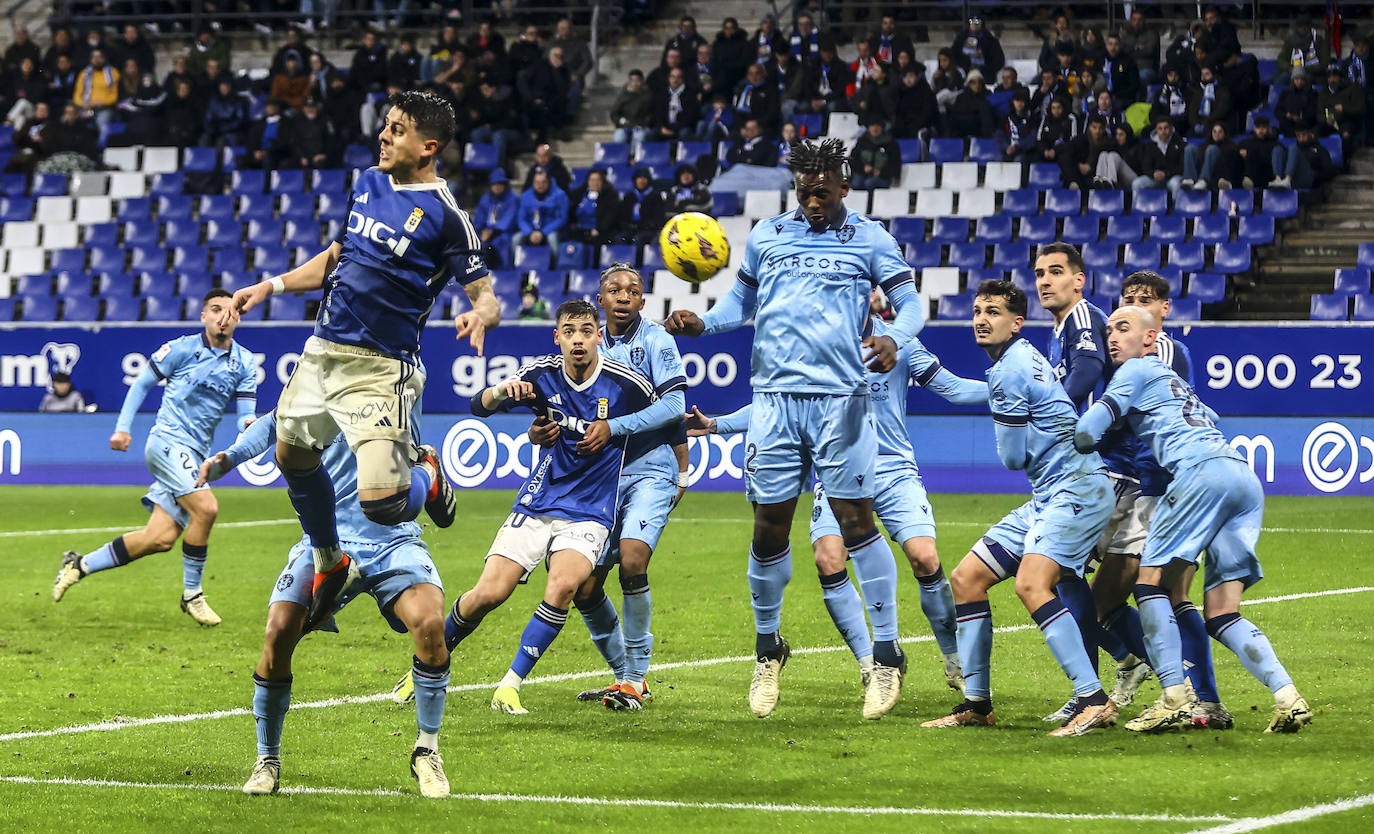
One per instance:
(566, 509)
(359, 373)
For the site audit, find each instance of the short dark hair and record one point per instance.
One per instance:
(1016, 298)
(1097, 118)
(619, 266)
(635, 72)
(433, 115)
(1069, 251)
(826, 157)
(576, 308)
(215, 293)
(1152, 281)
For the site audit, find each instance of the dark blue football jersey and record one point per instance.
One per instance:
(401, 246)
(1153, 477)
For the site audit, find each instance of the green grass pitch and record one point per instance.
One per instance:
(118, 648)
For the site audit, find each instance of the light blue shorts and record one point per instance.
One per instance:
(789, 434)
(1216, 506)
(1065, 527)
(387, 569)
(900, 502)
(645, 501)
(174, 467)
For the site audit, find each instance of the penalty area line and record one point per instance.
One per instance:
(1246, 824)
(10, 534)
(597, 801)
(326, 703)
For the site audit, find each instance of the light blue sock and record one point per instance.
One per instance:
(768, 578)
(604, 625)
(192, 564)
(539, 634)
(847, 611)
(639, 610)
(270, 702)
(1197, 652)
(1161, 633)
(975, 647)
(1250, 645)
(1077, 596)
(1066, 644)
(937, 603)
(876, 571)
(110, 555)
(431, 688)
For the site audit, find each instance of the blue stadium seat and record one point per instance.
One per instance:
(40, 284)
(163, 308)
(949, 230)
(1174, 275)
(147, 258)
(809, 124)
(80, 308)
(1008, 256)
(967, 255)
(1212, 229)
(16, 209)
(215, 207)
(1190, 202)
(619, 253)
(143, 233)
(184, 232)
(1167, 229)
(286, 182)
(910, 150)
(229, 259)
(287, 307)
(1106, 281)
(621, 176)
(1081, 228)
(272, 259)
(984, 150)
(1105, 303)
(121, 307)
(14, 185)
(1140, 256)
(1151, 202)
(651, 258)
(154, 282)
(358, 156)
(924, 254)
(974, 277)
(235, 279)
(994, 229)
(255, 207)
(1188, 257)
(1364, 308)
(532, 257)
(48, 185)
(1099, 255)
(1330, 307)
(1231, 258)
(726, 204)
(193, 284)
(264, 233)
(135, 210)
(1243, 199)
(1036, 230)
(198, 160)
(329, 181)
(907, 229)
(946, 150)
(1279, 202)
(299, 205)
(100, 234)
(7, 309)
(173, 207)
(72, 260)
(78, 282)
(38, 307)
(571, 255)
(655, 154)
(1024, 279)
(1365, 256)
(1347, 282)
(1063, 202)
(247, 182)
(165, 185)
(1037, 312)
(303, 233)
(691, 151)
(191, 259)
(220, 233)
(1044, 175)
(611, 153)
(480, 157)
(584, 281)
(107, 259)
(1124, 228)
(1207, 287)
(332, 207)
(954, 307)
(1106, 202)
(1023, 202)
(1256, 230)
(1332, 144)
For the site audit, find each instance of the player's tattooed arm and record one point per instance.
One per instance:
(698, 424)
(308, 276)
(484, 315)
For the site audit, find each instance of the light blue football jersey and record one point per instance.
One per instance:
(401, 246)
(813, 291)
(1023, 391)
(647, 348)
(1164, 411)
(202, 383)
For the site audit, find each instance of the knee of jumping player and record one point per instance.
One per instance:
(390, 510)
(428, 634)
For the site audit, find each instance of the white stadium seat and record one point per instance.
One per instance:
(958, 176)
(1003, 176)
(122, 159)
(891, 202)
(161, 160)
(94, 209)
(21, 235)
(26, 261)
(932, 202)
(760, 204)
(939, 280)
(124, 185)
(844, 126)
(918, 175)
(61, 235)
(89, 183)
(53, 210)
(977, 202)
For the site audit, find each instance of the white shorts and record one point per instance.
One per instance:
(1125, 533)
(529, 540)
(363, 393)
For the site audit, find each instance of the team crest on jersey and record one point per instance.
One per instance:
(602, 408)
(285, 581)
(1085, 341)
(413, 222)
(162, 352)
(845, 233)
(637, 356)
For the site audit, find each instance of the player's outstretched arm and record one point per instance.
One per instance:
(260, 436)
(732, 423)
(143, 383)
(698, 424)
(490, 400)
(727, 313)
(658, 414)
(484, 315)
(308, 276)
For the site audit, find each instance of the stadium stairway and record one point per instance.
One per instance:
(1309, 247)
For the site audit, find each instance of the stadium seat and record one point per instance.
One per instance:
(1279, 202)
(289, 307)
(1022, 202)
(1207, 287)
(265, 233)
(113, 283)
(184, 232)
(611, 153)
(959, 176)
(332, 207)
(121, 307)
(984, 150)
(907, 229)
(1106, 202)
(571, 255)
(583, 281)
(1008, 256)
(1364, 308)
(191, 259)
(691, 151)
(725, 203)
(1330, 307)
(1037, 312)
(934, 203)
(1123, 228)
(955, 307)
(60, 235)
(273, 259)
(100, 234)
(1081, 228)
(532, 257)
(135, 210)
(247, 182)
(163, 308)
(147, 258)
(1105, 303)
(329, 181)
(890, 202)
(656, 154)
(358, 156)
(13, 209)
(303, 233)
(80, 308)
(1333, 147)
(967, 255)
(1044, 175)
(937, 281)
(223, 233)
(8, 309)
(1256, 230)
(298, 205)
(995, 229)
(234, 279)
(1236, 201)
(1140, 256)
(480, 156)
(126, 184)
(1002, 176)
(619, 253)
(89, 184)
(1063, 202)
(1347, 281)
(33, 283)
(759, 204)
(974, 277)
(1364, 257)
(1024, 279)
(651, 258)
(167, 183)
(193, 284)
(1212, 229)
(921, 255)
(1036, 230)
(173, 206)
(977, 202)
(256, 207)
(1231, 258)
(49, 185)
(1192, 203)
(1151, 202)
(910, 149)
(143, 233)
(229, 259)
(916, 176)
(74, 261)
(38, 307)
(949, 230)
(75, 282)
(121, 159)
(54, 210)
(200, 160)
(107, 259)
(1105, 282)
(1167, 229)
(1099, 255)
(946, 150)
(1189, 257)
(93, 210)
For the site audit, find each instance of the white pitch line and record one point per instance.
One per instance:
(1296, 815)
(125, 527)
(130, 723)
(981, 526)
(640, 803)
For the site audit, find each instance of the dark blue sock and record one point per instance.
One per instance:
(1077, 596)
(456, 628)
(1197, 652)
(312, 495)
(1124, 624)
(539, 634)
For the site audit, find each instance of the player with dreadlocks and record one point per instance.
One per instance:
(805, 281)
